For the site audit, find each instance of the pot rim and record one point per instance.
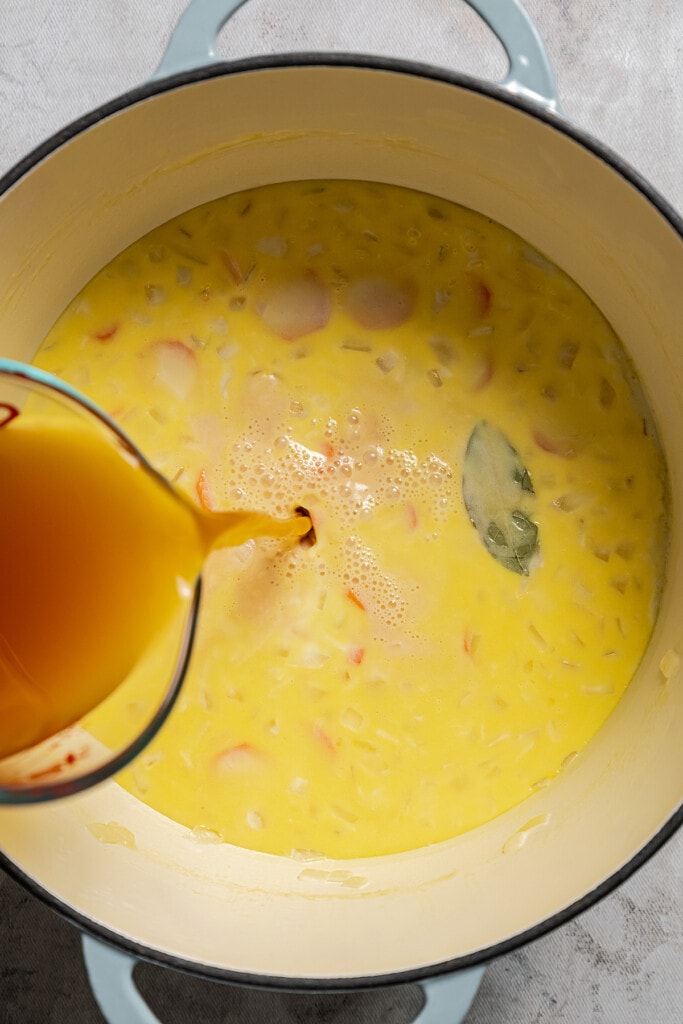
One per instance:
(598, 149)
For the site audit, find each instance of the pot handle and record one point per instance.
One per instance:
(192, 44)
(449, 997)
(110, 973)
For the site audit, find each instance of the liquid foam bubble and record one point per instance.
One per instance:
(349, 484)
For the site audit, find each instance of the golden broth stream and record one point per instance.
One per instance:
(98, 558)
(485, 484)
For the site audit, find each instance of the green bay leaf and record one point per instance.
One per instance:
(499, 498)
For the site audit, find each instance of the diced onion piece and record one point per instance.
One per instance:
(567, 354)
(348, 818)
(351, 719)
(296, 307)
(155, 295)
(388, 360)
(607, 393)
(569, 502)
(112, 832)
(378, 303)
(313, 656)
(444, 349)
(596, 689)
(315, 874)
(204, 834)
(624, 549)
(538, 260)
(150, 760)
(670, 664)
(354, 882)
(519, 838)
(272, 245)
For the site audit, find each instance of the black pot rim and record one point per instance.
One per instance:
(661, 205)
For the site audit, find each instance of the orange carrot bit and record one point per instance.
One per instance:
(204, 493)
(484, 374)
(470, 642)
(411, 515)
(561, 446)
(323, 738)
(481, 292)
(327, 449)
(107, 333)
(232, 266)
(356, 655)
(354, 599)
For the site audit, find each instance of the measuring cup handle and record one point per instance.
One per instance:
(193, 43)
(448, 999)
(110, 973)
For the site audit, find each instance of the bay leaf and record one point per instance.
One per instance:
(499, 498)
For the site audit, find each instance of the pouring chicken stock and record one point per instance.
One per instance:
(102, 561)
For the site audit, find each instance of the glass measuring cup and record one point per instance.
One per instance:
(101, 561)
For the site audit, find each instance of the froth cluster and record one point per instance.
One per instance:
(343, 484)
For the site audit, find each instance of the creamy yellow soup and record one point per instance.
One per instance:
(485, 483)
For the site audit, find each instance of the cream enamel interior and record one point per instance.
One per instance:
(74, 211)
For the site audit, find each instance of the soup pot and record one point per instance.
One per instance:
(202, 128)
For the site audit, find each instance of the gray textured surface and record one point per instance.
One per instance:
(619, 70)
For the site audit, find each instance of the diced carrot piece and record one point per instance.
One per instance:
(470, 642)
(353, 597)
(204, 492)
(327, 449)
(561, 446)
(484, 374)
(323, 738)
(232, 266)
(481, 294)
(411, 515)
(356, 655)
(106, 333)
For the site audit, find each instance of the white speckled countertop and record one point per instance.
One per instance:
(619, 70)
